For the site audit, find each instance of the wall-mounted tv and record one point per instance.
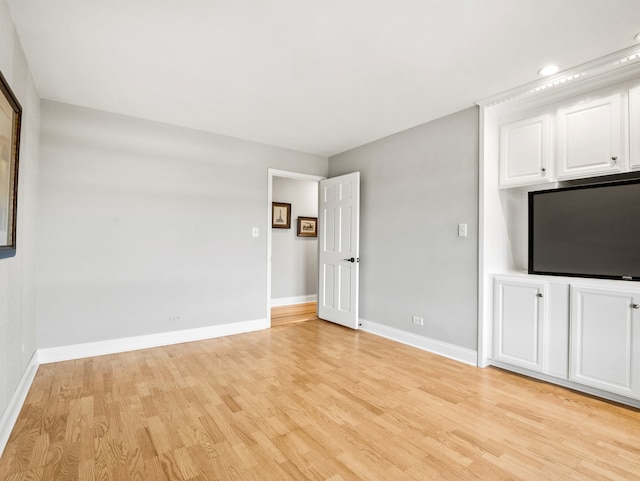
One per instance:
(586, 231)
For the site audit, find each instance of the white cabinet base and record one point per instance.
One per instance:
(568, 384)
(582, 336)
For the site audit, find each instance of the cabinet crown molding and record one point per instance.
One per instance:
(619, 65)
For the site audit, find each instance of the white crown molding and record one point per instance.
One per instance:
(619, 65)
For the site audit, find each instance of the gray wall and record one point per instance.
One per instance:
(17, 273)
(416, 187)
(294, 260)
(142, 222)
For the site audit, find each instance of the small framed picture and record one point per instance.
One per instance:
(280, 215)
(10, 118)
(308, 226)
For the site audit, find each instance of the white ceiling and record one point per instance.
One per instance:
(320, 76)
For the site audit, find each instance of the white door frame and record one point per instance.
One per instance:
(289, 175)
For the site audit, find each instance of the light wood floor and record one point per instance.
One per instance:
(284, 315)
(310, 401)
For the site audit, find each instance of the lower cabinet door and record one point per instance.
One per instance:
(518, 327)
(605, 340)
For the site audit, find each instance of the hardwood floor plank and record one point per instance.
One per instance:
(310, 401)
(284, 315)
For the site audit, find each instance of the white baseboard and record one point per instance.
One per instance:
(10, 415)
(288, 301)
(113, 346)
(568, 384)
(444, 349)
(78, 351)
(99, 348)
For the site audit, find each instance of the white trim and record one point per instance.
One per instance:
(78, 351)
(10, 415)
(451, 351)
(294, 175)
(271, 174)
(290, 301)
(622, 64)
(483, 330)
(583, 388)
(113, 346)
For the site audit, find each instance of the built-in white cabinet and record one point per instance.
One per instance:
(519, 319)
(634, 128)
(605, 339)
(526, 152)
(583, 333)
(591, 138)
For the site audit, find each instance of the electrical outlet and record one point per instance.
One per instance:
(175, 319)
(418, 321)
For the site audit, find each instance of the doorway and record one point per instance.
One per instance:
(292, 260)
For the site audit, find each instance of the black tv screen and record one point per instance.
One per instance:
(586, 231)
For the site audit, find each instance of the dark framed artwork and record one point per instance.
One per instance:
(10, 120)
(280, 215)
(308, 226)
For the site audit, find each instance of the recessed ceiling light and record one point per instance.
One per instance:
(548, 70)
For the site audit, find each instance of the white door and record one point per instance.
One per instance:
(338, 234)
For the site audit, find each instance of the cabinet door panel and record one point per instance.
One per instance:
(518, 323)
(525, 151)
(590, 138)
(605, 340)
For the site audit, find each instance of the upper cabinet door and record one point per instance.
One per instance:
(591, 138)
(634, 128)
(525, 152)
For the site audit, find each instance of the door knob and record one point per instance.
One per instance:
(635, 306)
(350, 259)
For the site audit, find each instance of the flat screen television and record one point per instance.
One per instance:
(586, 231)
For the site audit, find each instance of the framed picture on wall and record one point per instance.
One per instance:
(308, 226)
(10, 119)
(280, 215)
